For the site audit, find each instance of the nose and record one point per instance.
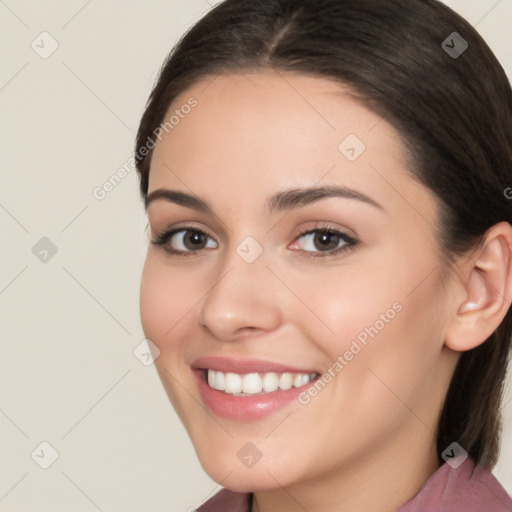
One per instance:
(244, 298)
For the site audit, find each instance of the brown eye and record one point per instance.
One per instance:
(182, 241)
(323, 240)
(193, 239)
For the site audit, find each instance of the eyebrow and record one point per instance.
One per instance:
(281, 201)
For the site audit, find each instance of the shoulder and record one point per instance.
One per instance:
(236, 501)
(461, 487)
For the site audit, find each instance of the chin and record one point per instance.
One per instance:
(235, 477)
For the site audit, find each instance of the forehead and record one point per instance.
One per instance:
(259, 132)
(281, 110)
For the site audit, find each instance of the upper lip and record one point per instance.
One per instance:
(241, 366)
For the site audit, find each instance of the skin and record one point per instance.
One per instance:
(367, 440)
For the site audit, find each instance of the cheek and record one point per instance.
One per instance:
(165, 300)
(400, 357)
(381, 323)
(386, 294)
(345, 305)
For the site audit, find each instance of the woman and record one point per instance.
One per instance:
(329, 275)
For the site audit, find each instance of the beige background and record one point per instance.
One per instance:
(69, 325)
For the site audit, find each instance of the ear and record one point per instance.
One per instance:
(483, 291)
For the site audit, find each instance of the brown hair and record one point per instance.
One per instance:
(454, 113)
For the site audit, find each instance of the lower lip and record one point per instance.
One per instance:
(245, 407)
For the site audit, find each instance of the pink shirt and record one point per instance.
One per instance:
(465, 489)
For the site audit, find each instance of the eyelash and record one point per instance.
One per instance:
(350, 243)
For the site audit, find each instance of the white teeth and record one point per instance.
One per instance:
(254, 383)
(286, 381)
(251, 383)
(233, 383)
(217, 380)
(300, 380)
(270, 382)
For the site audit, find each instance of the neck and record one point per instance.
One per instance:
(381, 481)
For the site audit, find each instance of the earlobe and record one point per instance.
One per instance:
(487, 291)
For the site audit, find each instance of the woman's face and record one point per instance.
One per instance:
(360, 306)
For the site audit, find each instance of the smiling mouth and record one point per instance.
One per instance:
(250, 384)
